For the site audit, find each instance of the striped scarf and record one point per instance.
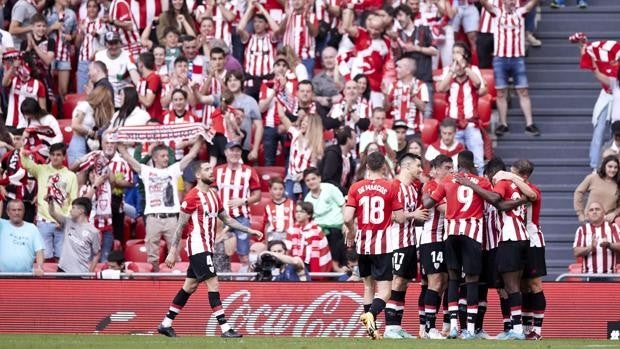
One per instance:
(158, 133)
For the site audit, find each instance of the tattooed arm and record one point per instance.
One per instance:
(173, 249)
(234, 225)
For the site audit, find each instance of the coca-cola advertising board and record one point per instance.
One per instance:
(260, 309)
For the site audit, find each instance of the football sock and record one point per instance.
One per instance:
(431, 302)
(453, 302)
(175, 308)
(539, 305)
(394, 308)
(218, 311)
(446, 313)
(376, 307)
(462, 307)
(515, 301)
(421, 312)
(527, 316)
(483, 292)
(505, 314)
(472, 306)
(366, 308)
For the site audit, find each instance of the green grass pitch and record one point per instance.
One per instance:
(191, 342)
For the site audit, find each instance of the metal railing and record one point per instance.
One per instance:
(135, 275)
(587, 276)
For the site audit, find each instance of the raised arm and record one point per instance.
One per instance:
(52, 210)
(243, 23)
(488, 6)
(348, 17)
(131, 161)
(191, 155)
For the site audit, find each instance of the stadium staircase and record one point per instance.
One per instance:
(562, 100)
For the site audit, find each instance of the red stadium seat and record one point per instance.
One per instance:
(179, 268)
(430, 131)
(574, 268)
(69, 103)
(135, 252)
(258, 209)
(50, 267)
(143, 267)
(140, 230)
(133, 242)
(485, 109)
(328, 135)
(127, 229)
(440, 107)
(65, 128)
(489, 80)
(266, 172)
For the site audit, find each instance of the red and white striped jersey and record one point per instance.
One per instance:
(260, 54)
(509, 35)
(275, 9)
(374, 202)
(487, 21)
(532, 220)
(361, 109)
(152, 84)
(90, 44)
(602, 260)
(101, 213)
(323, 15)
(204, 208)
(236, 184)
(121, 169)
(490, 237)
(400, 101)
(20, 90)
(215, 88)
(433, 227)
(403, 235)
(64, 49)
(463, 102)
(310, 244)
(464, 208)
(512, 223)
(223, 28)
(278, 217)
(298, 36)
(19, 183)
(130, 38)
(371, 58)
(440, 147)
(144, 11)
(197, 68)
(271, 117)
(300, 157)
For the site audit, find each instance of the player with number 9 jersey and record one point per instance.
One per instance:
(464, 208)
(374, 201)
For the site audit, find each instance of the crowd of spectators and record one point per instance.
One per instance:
(293, 96)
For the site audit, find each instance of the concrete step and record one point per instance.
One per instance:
(558, 187)
(562, 230)
(550, 176)
(564, 34)
(550, 151)
(551, 137)
(584, 87)
(544, 75)
(566, 100)
(542, 143)
(558, 212)
(608, 6)
(568, 114)
(563, 201)
(599, 22)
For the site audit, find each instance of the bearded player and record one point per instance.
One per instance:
(201, 208)
(375, 203)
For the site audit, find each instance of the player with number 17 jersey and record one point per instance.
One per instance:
(464, 208)
(374, 201)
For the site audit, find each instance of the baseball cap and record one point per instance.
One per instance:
(112, 36)
(233, 144)
(281, 59)
(400, 124)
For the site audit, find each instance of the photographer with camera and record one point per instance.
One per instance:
(276, 265)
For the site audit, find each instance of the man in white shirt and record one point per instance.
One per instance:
(377, 133)
(161, 207)
(119, 64)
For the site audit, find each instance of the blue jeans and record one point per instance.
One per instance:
(107, 243)
(77, 148)
(600, 135)
(309, 64)
(82, 75)
(243, 239)
(271, 138)
(530, 21)
(472, 139)
(289, 188)
(506, 67)
(52, 239)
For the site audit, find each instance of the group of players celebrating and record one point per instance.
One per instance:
(474, 233)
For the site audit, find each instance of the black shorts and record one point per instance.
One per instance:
(490, 275)
(405, 262)
(463, 254)
(432, 258)
(201, 267)
(536, 266)
(379, 266)
(512, 256)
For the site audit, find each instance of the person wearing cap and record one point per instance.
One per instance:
(281, 86)
(260, 46)
(238, 187)
(161, 194)
(400, 128)
(119, 64)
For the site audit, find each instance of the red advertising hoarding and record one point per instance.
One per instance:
(577, 310)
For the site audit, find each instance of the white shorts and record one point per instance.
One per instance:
(467, 16)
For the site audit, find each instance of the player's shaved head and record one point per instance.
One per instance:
(493, 166)
(466, 161)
